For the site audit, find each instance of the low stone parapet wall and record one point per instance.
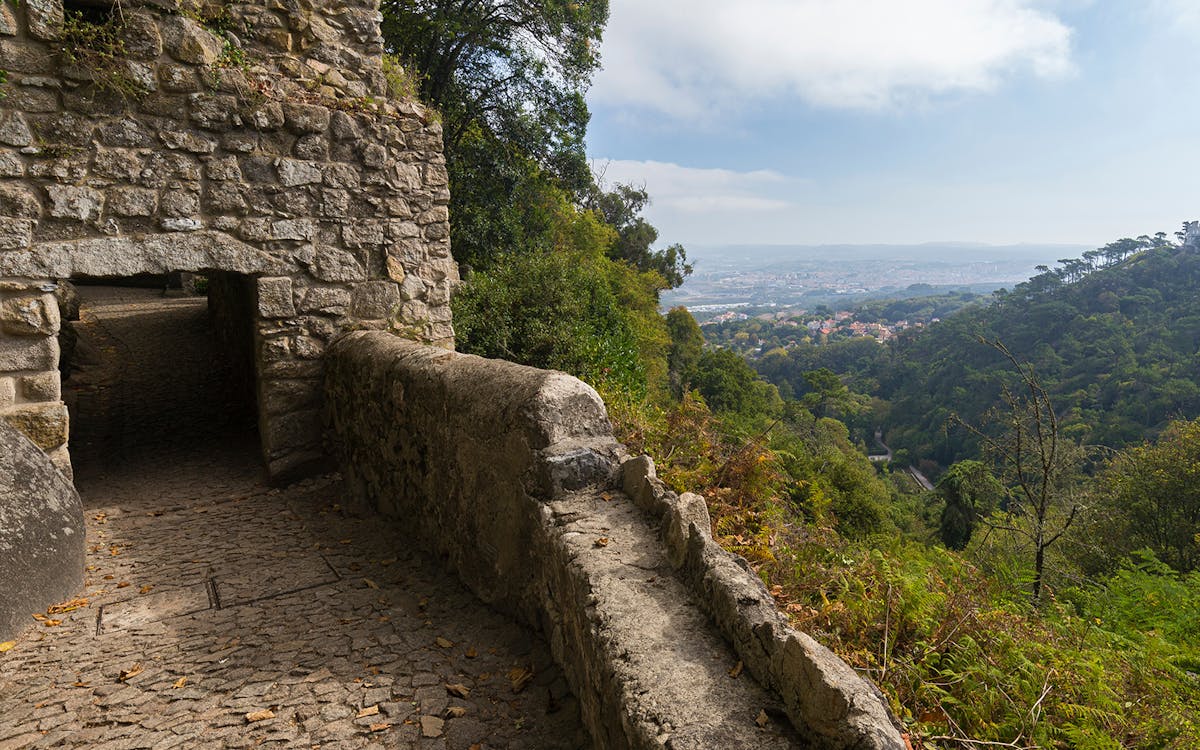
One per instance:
(513, 474)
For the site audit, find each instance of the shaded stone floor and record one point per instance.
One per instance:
(220, 613)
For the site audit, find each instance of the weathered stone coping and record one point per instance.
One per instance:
(514, 475)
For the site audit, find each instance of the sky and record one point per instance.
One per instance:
(888, 121)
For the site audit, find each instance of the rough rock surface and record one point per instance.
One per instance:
(41, 533)
(512, 473)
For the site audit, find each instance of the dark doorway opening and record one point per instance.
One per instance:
(155, 367)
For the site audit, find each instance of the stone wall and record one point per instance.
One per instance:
(41, 533)
(513, 475)
(244, 137)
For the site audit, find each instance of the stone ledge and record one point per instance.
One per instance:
(512, 473)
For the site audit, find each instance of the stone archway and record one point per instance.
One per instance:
(295, 171)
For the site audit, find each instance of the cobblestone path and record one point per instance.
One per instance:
(223, 614)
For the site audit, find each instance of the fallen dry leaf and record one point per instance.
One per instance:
(109, 577)
(443, 642)
(71, 606)
(114, 550)
(180, 683)
(455, 712)
(133, 671)
(606, 496)
(368, 711)
(471, 653)
(145, 589)
(380, 726)
(458, 689)
(519, 677)
(262, 715)
(7, 646)
(123, 584)
(370, 584)
(762, 720)
(51, 623)
(737, 670)
(602, 542)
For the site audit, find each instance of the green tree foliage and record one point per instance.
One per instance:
(687, 346)
(970, 492)
(621, 207)
(567, 308)
(1153, 497)
(509, 80)
(731, 386)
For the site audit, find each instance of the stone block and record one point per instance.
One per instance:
(20, 202)
(45, 18)
(186, 140)
(181, 224)
(8, 21)
(293, 172)
(8, 391)
(332, 263)
(125, 132)
(367, 233)
(306, 118)
(132, 201)
(28, 353)
(312, 147)
(341, 176)
(412, 288)
(178, 79)
(189, 42)
(328, 300)
(223, 168)
(117, 163)
(41, 386)
(11, 165)
(374, 299)
(44, 424)
(73, 202)
(275, 298)
(345, 127)
(180, 202)
(141, 36)
(267, 116)
(224, 197)
(42, 537)
(284, 396)
(14, 130)
(213, 111)
(293, 229)
(29, 316)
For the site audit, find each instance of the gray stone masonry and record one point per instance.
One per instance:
(513, 475)
(244, 137)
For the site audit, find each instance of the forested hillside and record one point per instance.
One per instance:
(1114, 338)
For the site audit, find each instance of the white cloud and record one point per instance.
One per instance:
(697, 58)
(1184, 14)
(690, 190)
